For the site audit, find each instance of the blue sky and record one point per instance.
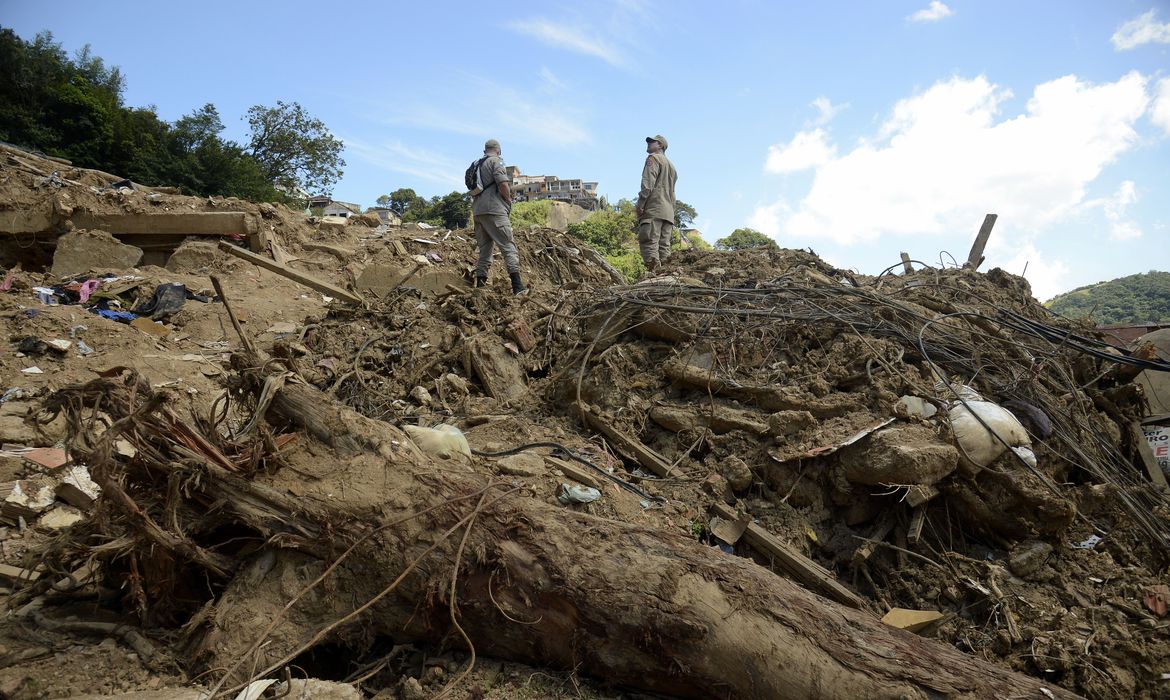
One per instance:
(857, 129)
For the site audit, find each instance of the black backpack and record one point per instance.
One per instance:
(471, 178)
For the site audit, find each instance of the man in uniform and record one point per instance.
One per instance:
(490, 209)
(655, 207)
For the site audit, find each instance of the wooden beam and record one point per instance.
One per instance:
(294, 275)
(577, 473)
(807, 572)
(195, 223)
(629, 446)
(919, 494)
(906, 263)
(975, 257)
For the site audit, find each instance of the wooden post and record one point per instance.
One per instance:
(906, 263)
(975, 258)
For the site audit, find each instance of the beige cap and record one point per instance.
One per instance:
(492, 144)
(659, 138)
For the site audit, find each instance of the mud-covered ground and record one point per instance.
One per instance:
(780, 408)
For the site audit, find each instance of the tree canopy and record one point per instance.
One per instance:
(684, 214)
(1136, 299)
(72, 107)
(293, 148)
(742, 238)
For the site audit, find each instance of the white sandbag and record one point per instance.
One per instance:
(443, 441)
(979, 445)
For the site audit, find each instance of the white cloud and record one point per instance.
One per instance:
(398, 157)
(551, 82)
(569, 37)
(1160, 112)
(768, 219)
(513, 115)
(945, 157)
(1122, 228)
(808, 149)
(1048, 276)
(826, 110)
(1142, 30)
(933, 12)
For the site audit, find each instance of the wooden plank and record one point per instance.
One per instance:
(975, 257)
(906, 263)
(805, 571)
(573, 471)
(195, 223)
(629, 446)
(917, 495)
(294, 275)
(15, 573)
(917, 519)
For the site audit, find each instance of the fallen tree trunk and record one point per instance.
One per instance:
(537, 582)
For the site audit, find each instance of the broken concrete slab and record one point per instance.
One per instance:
(523, 464)
(35, 219)
(77, 488)
(335, 224)
(294, 275)
(59, 518)
(904, 454)
(500, 373)
(1028, 557)
(81, 251)
(192, 223)
(193, 256)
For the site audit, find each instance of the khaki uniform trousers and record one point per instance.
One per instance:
(654, 239)
(492, 230)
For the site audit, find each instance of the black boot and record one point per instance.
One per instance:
(480, 281)
(517, 286)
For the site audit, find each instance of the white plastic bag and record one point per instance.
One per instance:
(443, 441)
(980, 446)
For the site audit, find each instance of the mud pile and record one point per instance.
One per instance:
(756, 405)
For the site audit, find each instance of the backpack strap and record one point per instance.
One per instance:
(478, 166)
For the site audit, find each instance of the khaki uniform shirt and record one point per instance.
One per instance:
(656, 199)
(489, 201)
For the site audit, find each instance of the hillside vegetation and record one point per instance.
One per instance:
(1136, 299)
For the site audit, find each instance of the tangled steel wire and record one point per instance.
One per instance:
(1017, 354)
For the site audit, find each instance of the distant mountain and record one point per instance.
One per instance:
(1137, 299)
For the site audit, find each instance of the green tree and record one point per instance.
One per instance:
(742, 238)
(526, 214)
(610, 231)
(401, 200)
(453, 210)
(294, 148)
(1135, 299)
(684, 215)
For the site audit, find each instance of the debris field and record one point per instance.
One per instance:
(246, 450)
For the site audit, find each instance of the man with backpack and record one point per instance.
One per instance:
(491, 197)
(655, 207)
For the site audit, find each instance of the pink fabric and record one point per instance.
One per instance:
(88, 288)
(7, 283)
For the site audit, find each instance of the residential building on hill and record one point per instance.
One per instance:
(532, 188)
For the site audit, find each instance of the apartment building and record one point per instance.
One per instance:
(531, 188)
